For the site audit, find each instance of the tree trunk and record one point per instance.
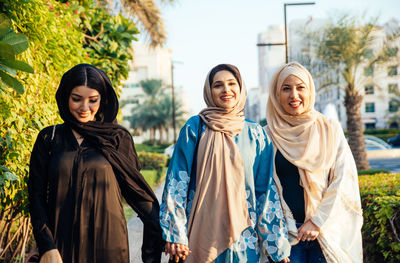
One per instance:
(355, 130)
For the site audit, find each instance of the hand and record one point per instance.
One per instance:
(51, 256)
(176, 251)
(285, 260)
(308, 231)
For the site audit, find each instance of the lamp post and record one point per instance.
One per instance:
(286, 40)
(173, 98)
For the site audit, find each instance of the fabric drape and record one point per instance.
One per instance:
(315, 144)
(219, 204)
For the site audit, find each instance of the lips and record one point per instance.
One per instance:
(83, 116)
(295, 104)
(226, 98)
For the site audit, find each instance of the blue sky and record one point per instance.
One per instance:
(204, 33)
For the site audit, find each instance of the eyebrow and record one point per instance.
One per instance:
(77, 95)
(233, 79)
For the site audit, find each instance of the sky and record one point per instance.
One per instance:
(204, 33)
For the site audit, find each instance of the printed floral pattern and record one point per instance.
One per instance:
(266, 221)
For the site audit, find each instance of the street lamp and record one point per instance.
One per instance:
(173, 97)
(286, 41)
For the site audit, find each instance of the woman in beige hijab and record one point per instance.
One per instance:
(220, 203)
(314, 171)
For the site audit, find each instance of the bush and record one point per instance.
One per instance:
(151, 148)
(383, 134)
(373, 171)
(380, 195)
(152, 161)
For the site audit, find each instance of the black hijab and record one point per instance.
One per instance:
(103, 133)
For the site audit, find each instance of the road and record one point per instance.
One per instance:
(391, 164)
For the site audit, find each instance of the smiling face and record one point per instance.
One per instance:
(225, 89)
(294, 96)
(84, 103)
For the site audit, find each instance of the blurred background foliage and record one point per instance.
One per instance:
(60, 35)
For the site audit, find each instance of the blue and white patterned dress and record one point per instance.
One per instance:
(268, 230)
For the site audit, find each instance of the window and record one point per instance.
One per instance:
(132, 85)
(369, 89)
(369, 72)
(392, 52)
(368, 53)
(392, 71)
(370, 126)
(370, 107)
(392, 88)
(393, 106)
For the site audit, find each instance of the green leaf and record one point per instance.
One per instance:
(6, 51)
(7, 69)
(19, 42)
(10, 176)
(12, 82)
(17, 64)
(5, 25)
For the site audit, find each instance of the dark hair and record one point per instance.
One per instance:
(231, 68)
(91, 77)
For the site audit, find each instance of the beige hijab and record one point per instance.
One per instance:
(219, 212)
(327, 170)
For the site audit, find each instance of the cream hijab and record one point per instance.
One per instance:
(219, 211)
(327, 170)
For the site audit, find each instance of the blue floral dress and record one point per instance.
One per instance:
(268, 232)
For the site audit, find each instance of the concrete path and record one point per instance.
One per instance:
(135, 234)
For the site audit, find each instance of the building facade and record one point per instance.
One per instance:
(379, 85)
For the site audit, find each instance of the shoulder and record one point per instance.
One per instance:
(193, 123)
(49, 131)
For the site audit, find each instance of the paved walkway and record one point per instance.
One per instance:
(135, 234)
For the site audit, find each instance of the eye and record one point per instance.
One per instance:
(94, 100)
(233, 83)
(75, 99)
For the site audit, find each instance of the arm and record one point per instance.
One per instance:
(271, 226)
(173, 212)
(139, 195)
(37, 192)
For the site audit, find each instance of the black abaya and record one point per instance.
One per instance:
(81, 215)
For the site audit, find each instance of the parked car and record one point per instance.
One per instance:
(394, 141)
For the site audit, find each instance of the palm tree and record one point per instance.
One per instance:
(155, 113)
(347, 48)
(146, 13)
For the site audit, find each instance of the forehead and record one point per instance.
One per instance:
(293, 80)
(223, 75)
(84, 91)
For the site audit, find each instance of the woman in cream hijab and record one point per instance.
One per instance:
(314, 171)
(220, 203)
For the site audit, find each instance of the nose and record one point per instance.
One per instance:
(226, 87)
(85, 106)
(294, 93)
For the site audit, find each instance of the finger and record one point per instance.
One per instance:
(176, 259)
(173, 250)
(167, 248)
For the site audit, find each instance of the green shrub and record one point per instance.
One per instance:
(151, 148)
(380, 195)
(383, 134)
(152, 161)
(373, 171)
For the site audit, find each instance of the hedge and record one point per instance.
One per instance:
(380, 196)
(152, 161)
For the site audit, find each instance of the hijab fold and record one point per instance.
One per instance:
(219, 206)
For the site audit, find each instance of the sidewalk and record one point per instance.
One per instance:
(135, 234)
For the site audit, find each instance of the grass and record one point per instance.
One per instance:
(153, 178)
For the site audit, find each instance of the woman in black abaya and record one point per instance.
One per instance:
(79, 172)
